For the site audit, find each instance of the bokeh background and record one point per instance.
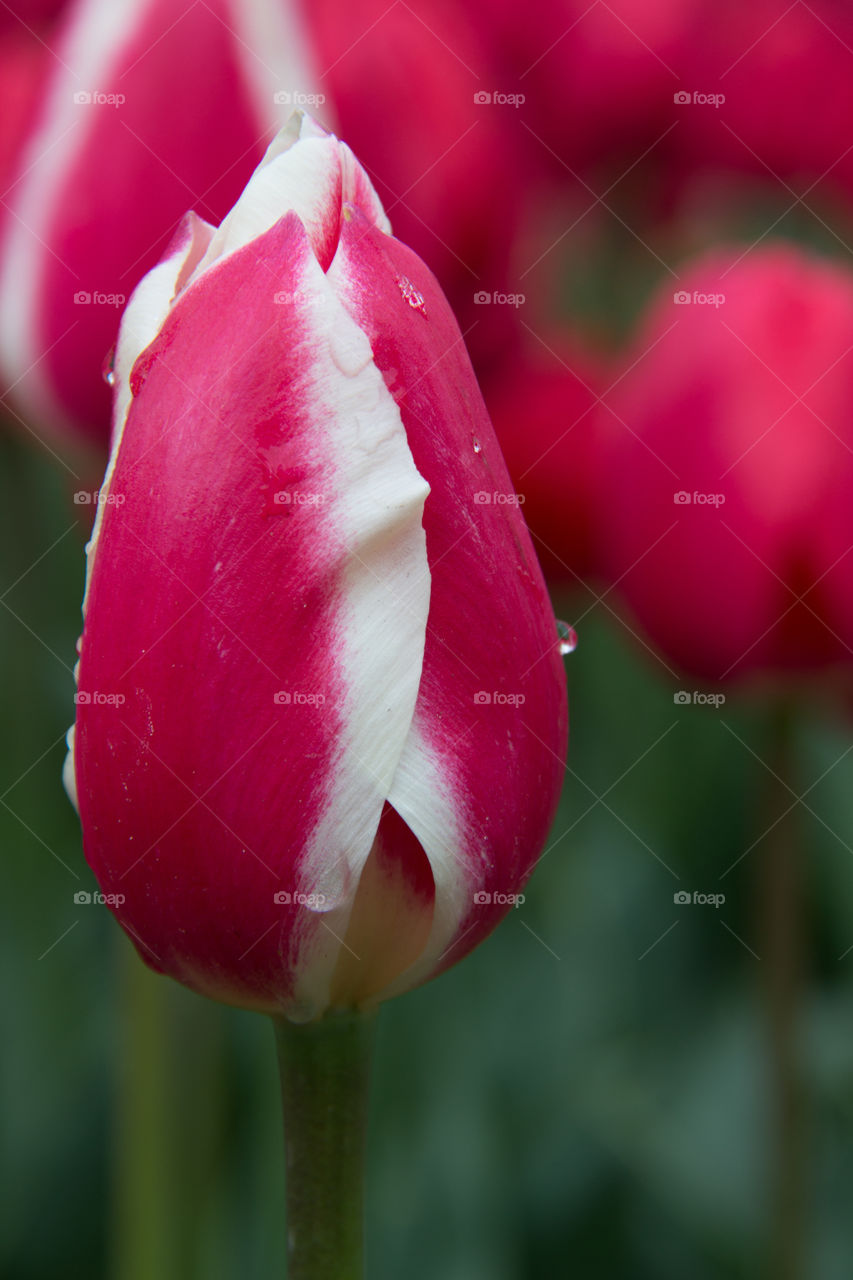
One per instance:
(642, 214)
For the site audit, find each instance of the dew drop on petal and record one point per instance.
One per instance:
(567, 638)
(108, 368)
(477, 446)
(410, 294)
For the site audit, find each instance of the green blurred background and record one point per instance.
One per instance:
(595, 1091)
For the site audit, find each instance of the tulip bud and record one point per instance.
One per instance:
(730, 466)
(321, 711)
(146, 112)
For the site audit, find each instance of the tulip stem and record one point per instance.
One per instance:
(783, 946)
(324, 1069)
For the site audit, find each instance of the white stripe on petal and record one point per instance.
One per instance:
(383, 608)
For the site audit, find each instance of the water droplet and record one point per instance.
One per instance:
(567, 638)
(108, 368)
(410, 294)
(478, 448)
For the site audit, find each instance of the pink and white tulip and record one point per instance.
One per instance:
(146, 110)
(321, 714)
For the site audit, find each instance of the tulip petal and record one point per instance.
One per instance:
(145, 313)
(313, 179)
(209, 596)
(492, 697)
(148, 111)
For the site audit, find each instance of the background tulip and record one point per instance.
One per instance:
(145, 113)
(766, 62)
(315, 661)
(443, 118)
(544, 407)
(729, 521)
(184, 109)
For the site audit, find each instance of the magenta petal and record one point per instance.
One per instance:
(480, 779)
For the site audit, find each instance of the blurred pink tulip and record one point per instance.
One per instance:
(544, 411)
(448, 155)
(782, 79)
(598, 78)
(321, 714)
(146, 111)
(728, 518)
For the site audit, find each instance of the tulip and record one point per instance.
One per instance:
(146, 111)
(749, 70)
(613, 66)
(321, 720)
(728, 522)
(544, 412)
(438, 133)
(22, 68)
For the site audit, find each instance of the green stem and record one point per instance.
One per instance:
(783, 946)
(324, 1070)
(143, 1244)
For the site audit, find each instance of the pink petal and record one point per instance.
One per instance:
(478, 783)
